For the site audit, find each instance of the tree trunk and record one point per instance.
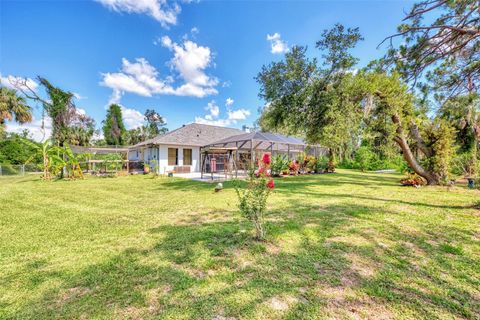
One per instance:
(400, 139)
(259, 230)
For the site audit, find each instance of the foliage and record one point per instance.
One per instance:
(301, 161)
(321, 164)
(310, 163)
(113, 127)
(13, 106)
(463, 113)
(68, 124)
(155, 123)
(441, 40)
(253, 198)
(155, 126)
(364, 158)
(413, 180)
(57, 160)
(72, 163)
(52, 157)
(135, 135)
(440, 138)
(279, 164)
(111, 161)
(294, 167)
(13, 149)
(462, 165)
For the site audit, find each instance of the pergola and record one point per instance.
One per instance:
(91, 163)
(247, 146)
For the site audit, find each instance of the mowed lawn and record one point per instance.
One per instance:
(345, 245)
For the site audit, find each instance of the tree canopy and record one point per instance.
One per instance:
(13, 107)
(335, 105)
(113, 126)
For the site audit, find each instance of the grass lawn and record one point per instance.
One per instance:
(345, 245)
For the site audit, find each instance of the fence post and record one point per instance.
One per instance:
(23, 169)
(0, 170)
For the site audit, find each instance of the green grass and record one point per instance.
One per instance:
(345, 245)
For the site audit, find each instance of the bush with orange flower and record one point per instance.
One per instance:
(253, 197)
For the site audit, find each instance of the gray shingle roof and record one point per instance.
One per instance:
(194, 134)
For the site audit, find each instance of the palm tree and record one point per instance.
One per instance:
(13, 106)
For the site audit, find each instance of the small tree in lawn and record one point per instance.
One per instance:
(253, 198)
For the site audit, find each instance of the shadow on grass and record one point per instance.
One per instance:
(316, 262)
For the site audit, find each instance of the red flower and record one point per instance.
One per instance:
(266, 158)
(270, 184)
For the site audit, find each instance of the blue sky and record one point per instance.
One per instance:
(184, 59)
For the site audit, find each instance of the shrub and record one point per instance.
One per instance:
(294, 167)
(253, 198)
(311, 163)
(279, 164)
(301, 159)
(413, 180)
(364, 158)
(462, 165)
(321, 164)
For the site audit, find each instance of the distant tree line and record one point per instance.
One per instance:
(69, 126)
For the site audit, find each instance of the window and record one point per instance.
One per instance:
(172, 156)
(187, 157)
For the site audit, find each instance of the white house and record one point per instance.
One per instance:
(179, 149)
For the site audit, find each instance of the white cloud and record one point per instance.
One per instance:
(188, 63)
(35, 128)
(212, 117)
(277, 44)
(240, 114)
(229, 102)
(78, 96)
(132, 118)
(161, 10)
(14, 82)
(136, 77)
(219, 122)
(213, 109)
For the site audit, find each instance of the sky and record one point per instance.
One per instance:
(191, 61)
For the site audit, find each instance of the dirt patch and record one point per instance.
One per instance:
(361, 265)
(129, 312)
(281, 303)
(72, 293)
(153, 298)
(220, 317)
(272, 248)
(343, 302)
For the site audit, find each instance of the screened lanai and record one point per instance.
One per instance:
(238, 152)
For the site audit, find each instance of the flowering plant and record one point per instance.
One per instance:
(294, 167)
(253, 198)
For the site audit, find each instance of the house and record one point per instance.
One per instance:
(179, 149)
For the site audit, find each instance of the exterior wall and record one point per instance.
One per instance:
(160, 153)
(163, 156)
(135, 155)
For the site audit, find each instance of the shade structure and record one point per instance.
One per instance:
(244, 150)
(266, 141)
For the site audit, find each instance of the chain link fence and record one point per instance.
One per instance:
(18, 169)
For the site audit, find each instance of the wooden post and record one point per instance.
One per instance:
(236, 159)
(128, 162)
